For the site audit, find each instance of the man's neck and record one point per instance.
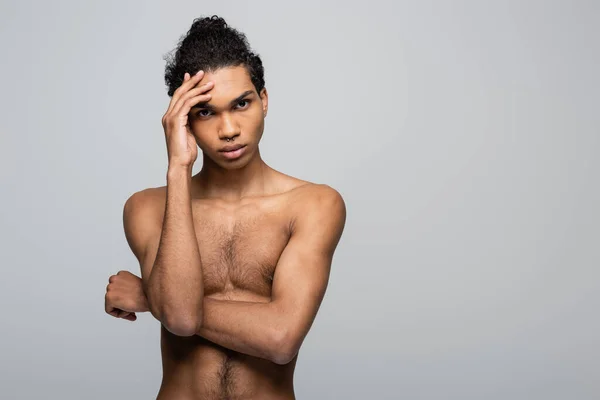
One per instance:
(214, 182)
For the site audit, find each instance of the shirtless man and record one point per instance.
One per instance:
(234, 260)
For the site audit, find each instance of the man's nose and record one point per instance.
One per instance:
(229, 127)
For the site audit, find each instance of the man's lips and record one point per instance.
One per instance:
(233, 152)
(232, 147)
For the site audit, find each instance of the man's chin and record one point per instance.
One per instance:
(218, 159)
(233, 164)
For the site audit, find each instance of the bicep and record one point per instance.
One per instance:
(142, 231)
(302, 272)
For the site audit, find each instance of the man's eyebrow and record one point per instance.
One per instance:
(231, 103)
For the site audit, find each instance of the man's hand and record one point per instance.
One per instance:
(125, 296)
(182, 148)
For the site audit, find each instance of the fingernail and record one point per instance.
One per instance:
(198, 72)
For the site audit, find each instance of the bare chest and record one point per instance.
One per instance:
(239, 247)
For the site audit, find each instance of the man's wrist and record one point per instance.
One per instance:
(177, 171)
(145, 304)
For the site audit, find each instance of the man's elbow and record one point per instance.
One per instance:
(175, 319)
(182, 324)
(285, 346)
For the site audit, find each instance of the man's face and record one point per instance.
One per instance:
(235, 112)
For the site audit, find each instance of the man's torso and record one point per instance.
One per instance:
(239, 245)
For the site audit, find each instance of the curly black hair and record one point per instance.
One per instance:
(211, 44)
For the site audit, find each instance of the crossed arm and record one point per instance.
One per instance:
(276, 329)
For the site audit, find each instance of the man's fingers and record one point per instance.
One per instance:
(188, 84)
(130, 317)
(186, 106)
(118, 313)
(115, 312)
(178, 108)
(185, 86)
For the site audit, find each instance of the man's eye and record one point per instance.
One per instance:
(200, 113)
(206, 113)
(243, 103)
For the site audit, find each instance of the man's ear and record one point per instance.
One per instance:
(264, 96)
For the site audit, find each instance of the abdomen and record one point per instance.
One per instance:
(195, 368)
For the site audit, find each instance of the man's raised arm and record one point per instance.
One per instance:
(275, 330)
(169, 258)
(167, 251)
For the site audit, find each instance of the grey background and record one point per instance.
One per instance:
(462, 134)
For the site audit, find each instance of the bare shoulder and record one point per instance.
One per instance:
(318, 204)
(142, 218)
(144, 202)
(316, 194)
(310, 194)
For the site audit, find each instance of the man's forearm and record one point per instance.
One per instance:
(175, 286)
(256, 329)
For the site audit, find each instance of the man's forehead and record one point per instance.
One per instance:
(234, 78)
(229, 83)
